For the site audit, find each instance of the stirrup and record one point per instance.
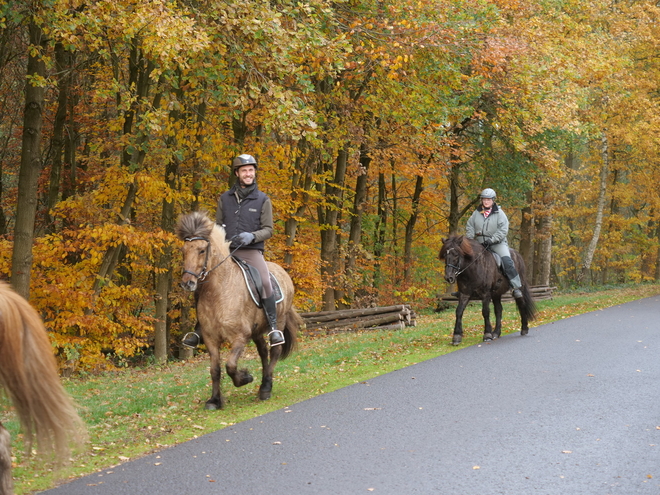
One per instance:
(190, 346)
(276, 333)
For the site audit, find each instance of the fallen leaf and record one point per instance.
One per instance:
(476, 467)
(566, 451)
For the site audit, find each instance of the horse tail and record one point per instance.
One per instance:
(28, 373)
(294, 323)
(526, 304)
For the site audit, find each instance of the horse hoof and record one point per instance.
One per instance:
(524, 331)
(212, 406)
(456, 341)
(488, 337)
(264, 394)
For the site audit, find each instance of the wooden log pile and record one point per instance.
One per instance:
(380, 318)
(539, 292)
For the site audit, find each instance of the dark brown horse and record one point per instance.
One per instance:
(28, 373)
(225, 309)
(475, 271)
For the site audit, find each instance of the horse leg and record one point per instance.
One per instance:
(524, 320)
(485, 312)
(216, 401)
(239, 377)
(497, 304)
(463, 301)
(267, 366)
(6, 482)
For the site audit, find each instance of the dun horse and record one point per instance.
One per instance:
(225, 309)
(475, 270)
(28, 374)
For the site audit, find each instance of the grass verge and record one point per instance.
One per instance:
(135, 412)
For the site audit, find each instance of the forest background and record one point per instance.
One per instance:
(376, 123)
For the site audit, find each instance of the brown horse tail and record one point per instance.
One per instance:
(526, 305)
(294, 323)
(28, 373)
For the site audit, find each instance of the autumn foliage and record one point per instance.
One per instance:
(375, 125)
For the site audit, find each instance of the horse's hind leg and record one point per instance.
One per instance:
(6, 482)
(239, 377)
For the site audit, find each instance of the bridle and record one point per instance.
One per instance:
(460, 258)
(201, 276)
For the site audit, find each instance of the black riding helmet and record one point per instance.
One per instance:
(242, 160)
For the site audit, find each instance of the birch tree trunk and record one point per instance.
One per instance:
(26, 204)
(604, 171)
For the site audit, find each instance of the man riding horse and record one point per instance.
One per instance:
(489, 225)
(247, 216)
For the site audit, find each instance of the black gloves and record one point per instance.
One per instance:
(486, 243)
(244, 238)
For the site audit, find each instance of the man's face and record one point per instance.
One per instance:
(487, 202)
(246, 175)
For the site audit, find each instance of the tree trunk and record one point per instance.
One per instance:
(527, 237)
(164, 274)
(26, 205)
(62, 65)
(454, 170)
(604, 171)
(657, 256)
(545, 251)
(410, 230)
(395, 225)
(380, 230)
(355, 234)
(329, 254)
(140, 72)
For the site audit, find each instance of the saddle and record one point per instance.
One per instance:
(497, 258)
(255, 285)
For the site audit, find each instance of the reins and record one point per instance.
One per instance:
(458, 268)
(201, 276)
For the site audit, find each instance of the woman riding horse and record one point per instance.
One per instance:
(489, 225)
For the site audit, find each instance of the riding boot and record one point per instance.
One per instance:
(194, 338)
(270, 308)
(513, 276)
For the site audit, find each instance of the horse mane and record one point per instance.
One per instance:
(29, 376)
(458, 242)
(195, 224)
(199, 224)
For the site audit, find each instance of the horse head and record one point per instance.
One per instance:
(195, 230)
(456, 251)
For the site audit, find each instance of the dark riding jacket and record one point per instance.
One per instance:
(253, 214)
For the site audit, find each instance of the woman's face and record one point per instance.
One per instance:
(487, 202)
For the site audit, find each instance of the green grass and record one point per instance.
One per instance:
(138, 411)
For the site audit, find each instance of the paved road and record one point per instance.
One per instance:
(573, 408)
